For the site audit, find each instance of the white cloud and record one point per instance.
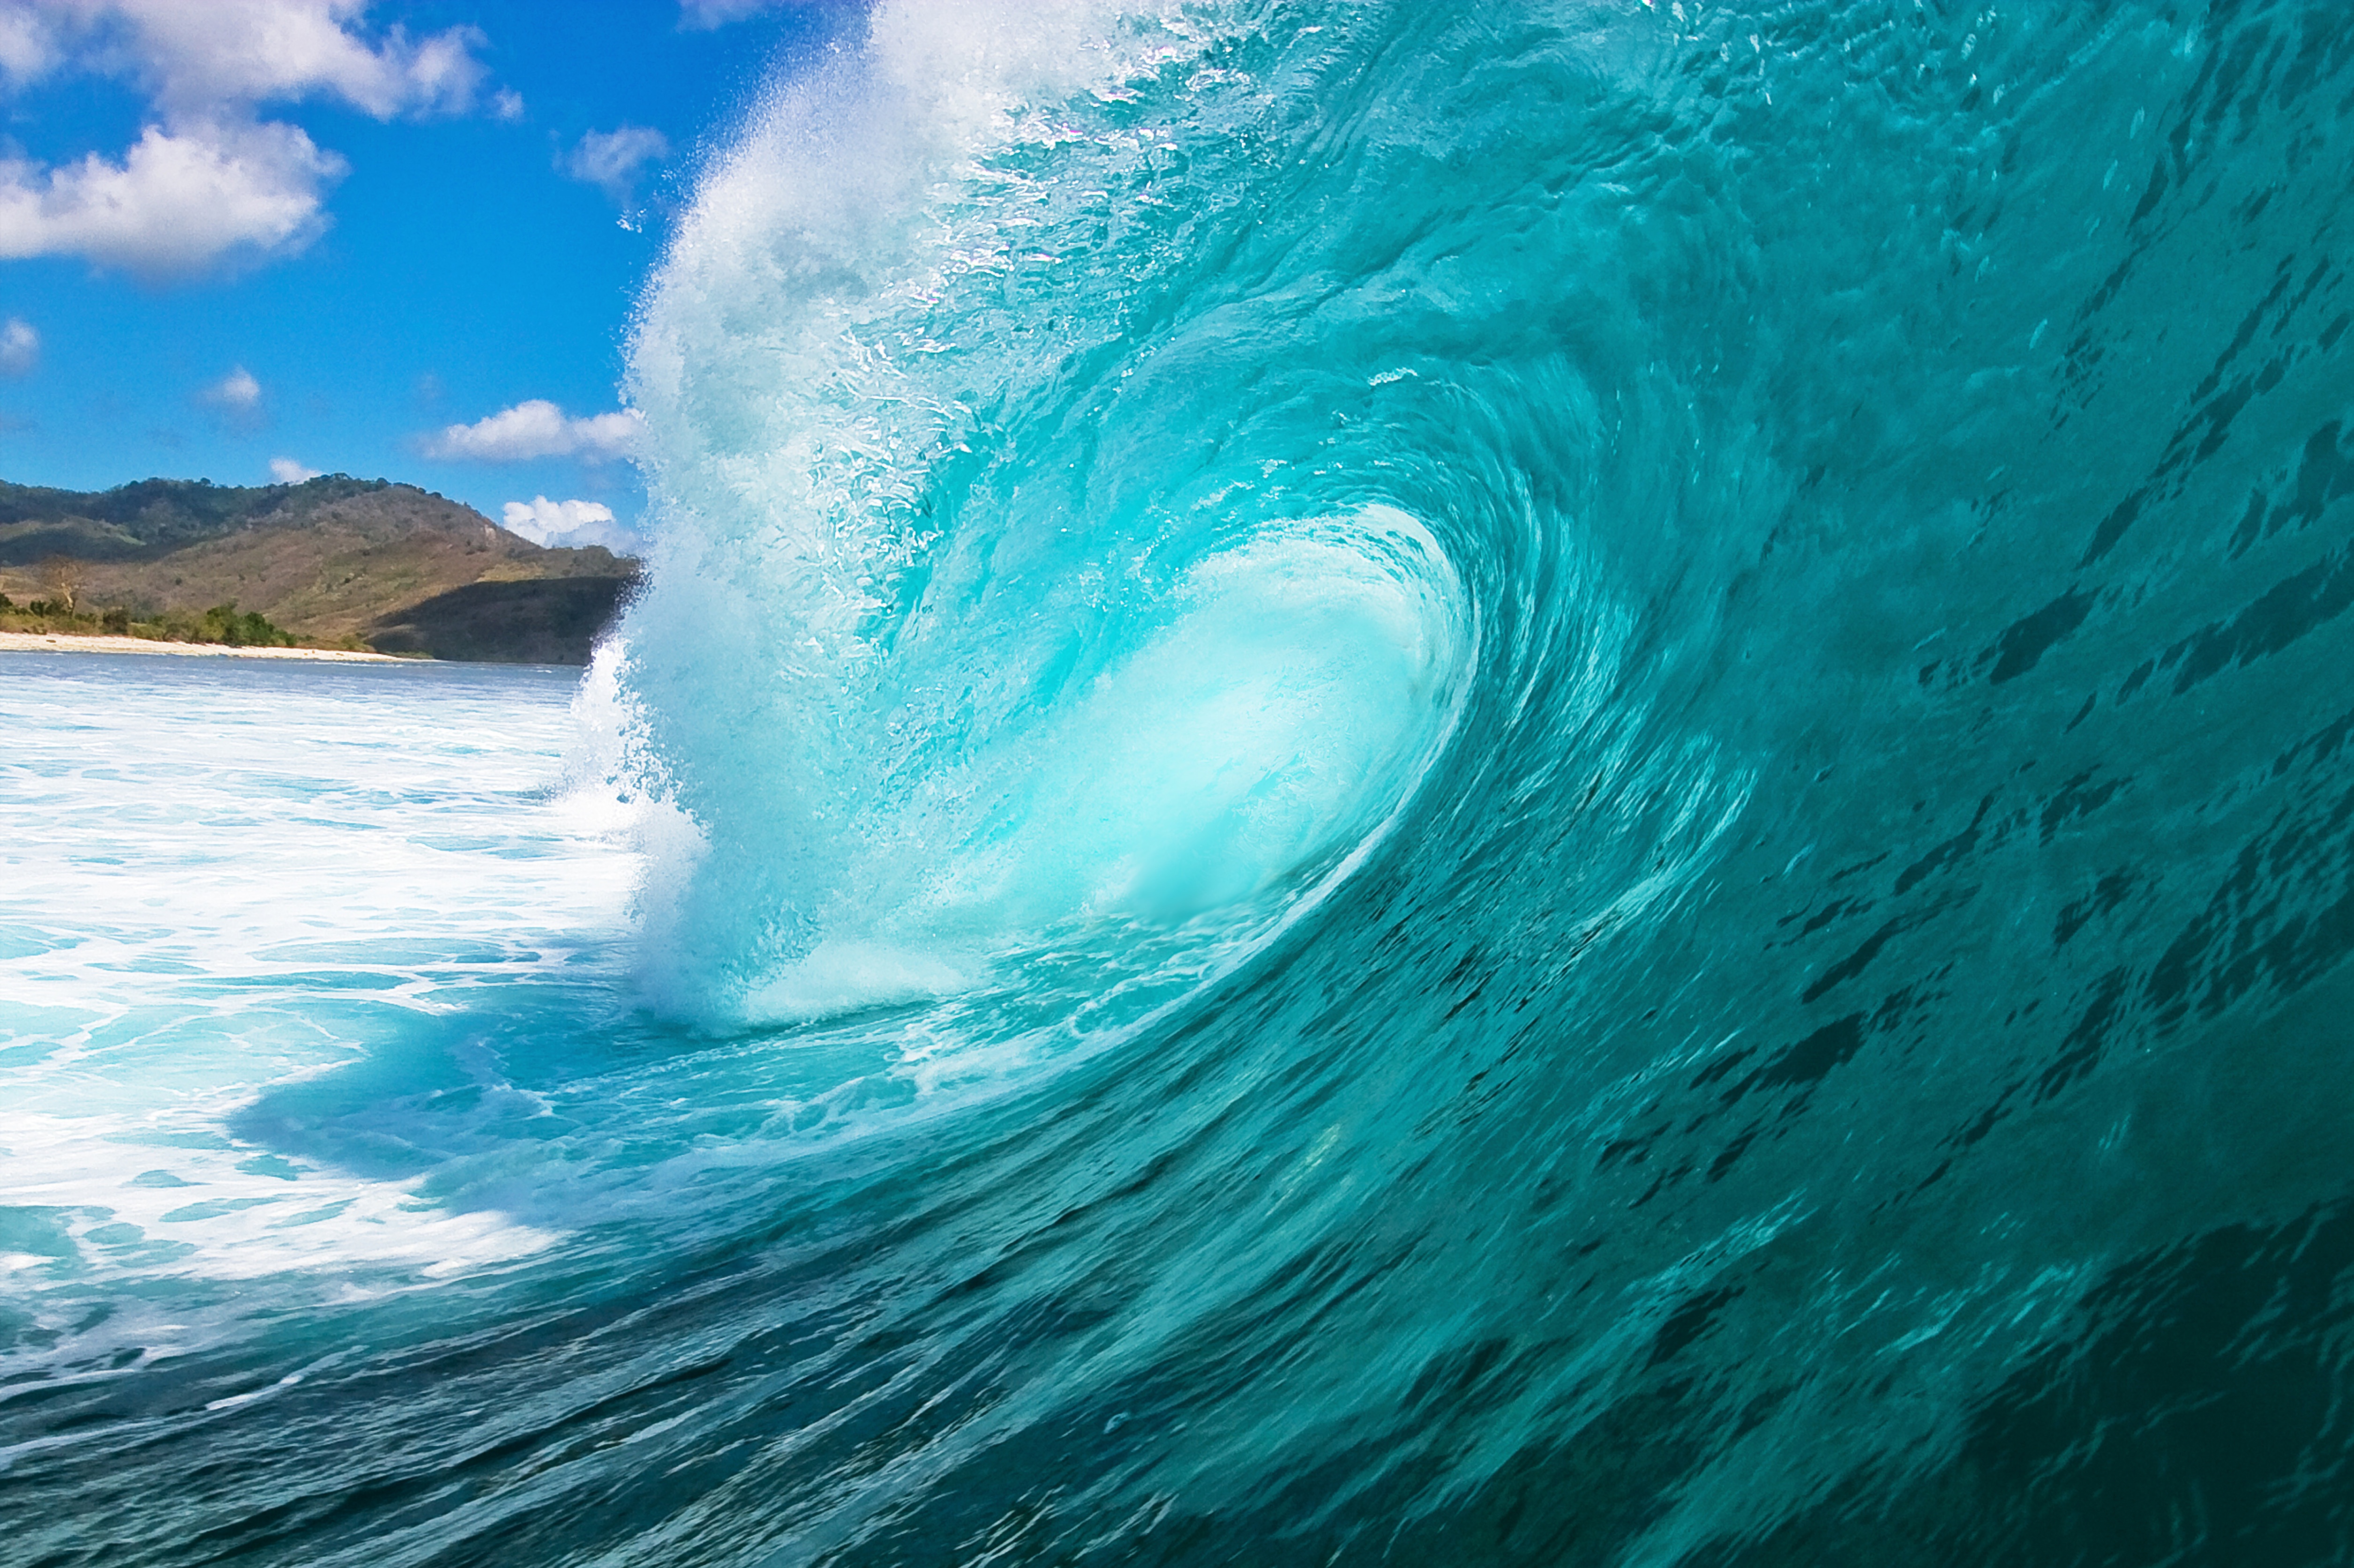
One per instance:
(286, 471)
(236, 402)
(611, 159)
(20, 347)
(238, 390)
(174, 203)
(208, 178)
(568, 524)
(718, 13)
(537, 429)
(25, 49)
(196, 59)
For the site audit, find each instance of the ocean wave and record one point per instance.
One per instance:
(1495, 784)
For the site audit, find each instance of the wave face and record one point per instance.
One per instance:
(1514, 784)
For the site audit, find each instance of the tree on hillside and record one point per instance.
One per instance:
(61, 580)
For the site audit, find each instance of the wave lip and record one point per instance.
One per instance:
(975, 694)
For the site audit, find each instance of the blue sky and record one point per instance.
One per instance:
(391, 239)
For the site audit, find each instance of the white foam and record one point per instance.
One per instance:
(246, 878)
(223, 1219)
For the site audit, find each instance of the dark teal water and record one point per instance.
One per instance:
(1557, 783)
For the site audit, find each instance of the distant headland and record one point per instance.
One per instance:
(332, 563)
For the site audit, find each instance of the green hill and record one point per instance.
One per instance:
(335, 561)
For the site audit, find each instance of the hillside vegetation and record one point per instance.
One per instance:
(332, 562)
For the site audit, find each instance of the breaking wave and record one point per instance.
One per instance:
(1538, 783)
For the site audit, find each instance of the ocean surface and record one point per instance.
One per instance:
(1538, 783)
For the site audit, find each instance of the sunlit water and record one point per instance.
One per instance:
(1569, 783)
(229, 880)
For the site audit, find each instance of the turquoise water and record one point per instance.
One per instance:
(1555, 784)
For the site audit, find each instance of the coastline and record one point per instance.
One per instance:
(67, 642)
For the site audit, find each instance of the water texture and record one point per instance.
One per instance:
(1521, 784)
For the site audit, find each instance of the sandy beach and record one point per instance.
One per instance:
(40, 642)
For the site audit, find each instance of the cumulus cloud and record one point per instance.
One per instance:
(611, 159)
(236, 401)
(20, 347)
(174, 203)
(286, 471)
(567, 525)
(236, 390)
(207, 177)
(195, 59)
(537, 429)
(24, 52)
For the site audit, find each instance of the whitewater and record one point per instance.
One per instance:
(1555, 783)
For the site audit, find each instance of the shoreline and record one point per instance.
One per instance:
(104, 642)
